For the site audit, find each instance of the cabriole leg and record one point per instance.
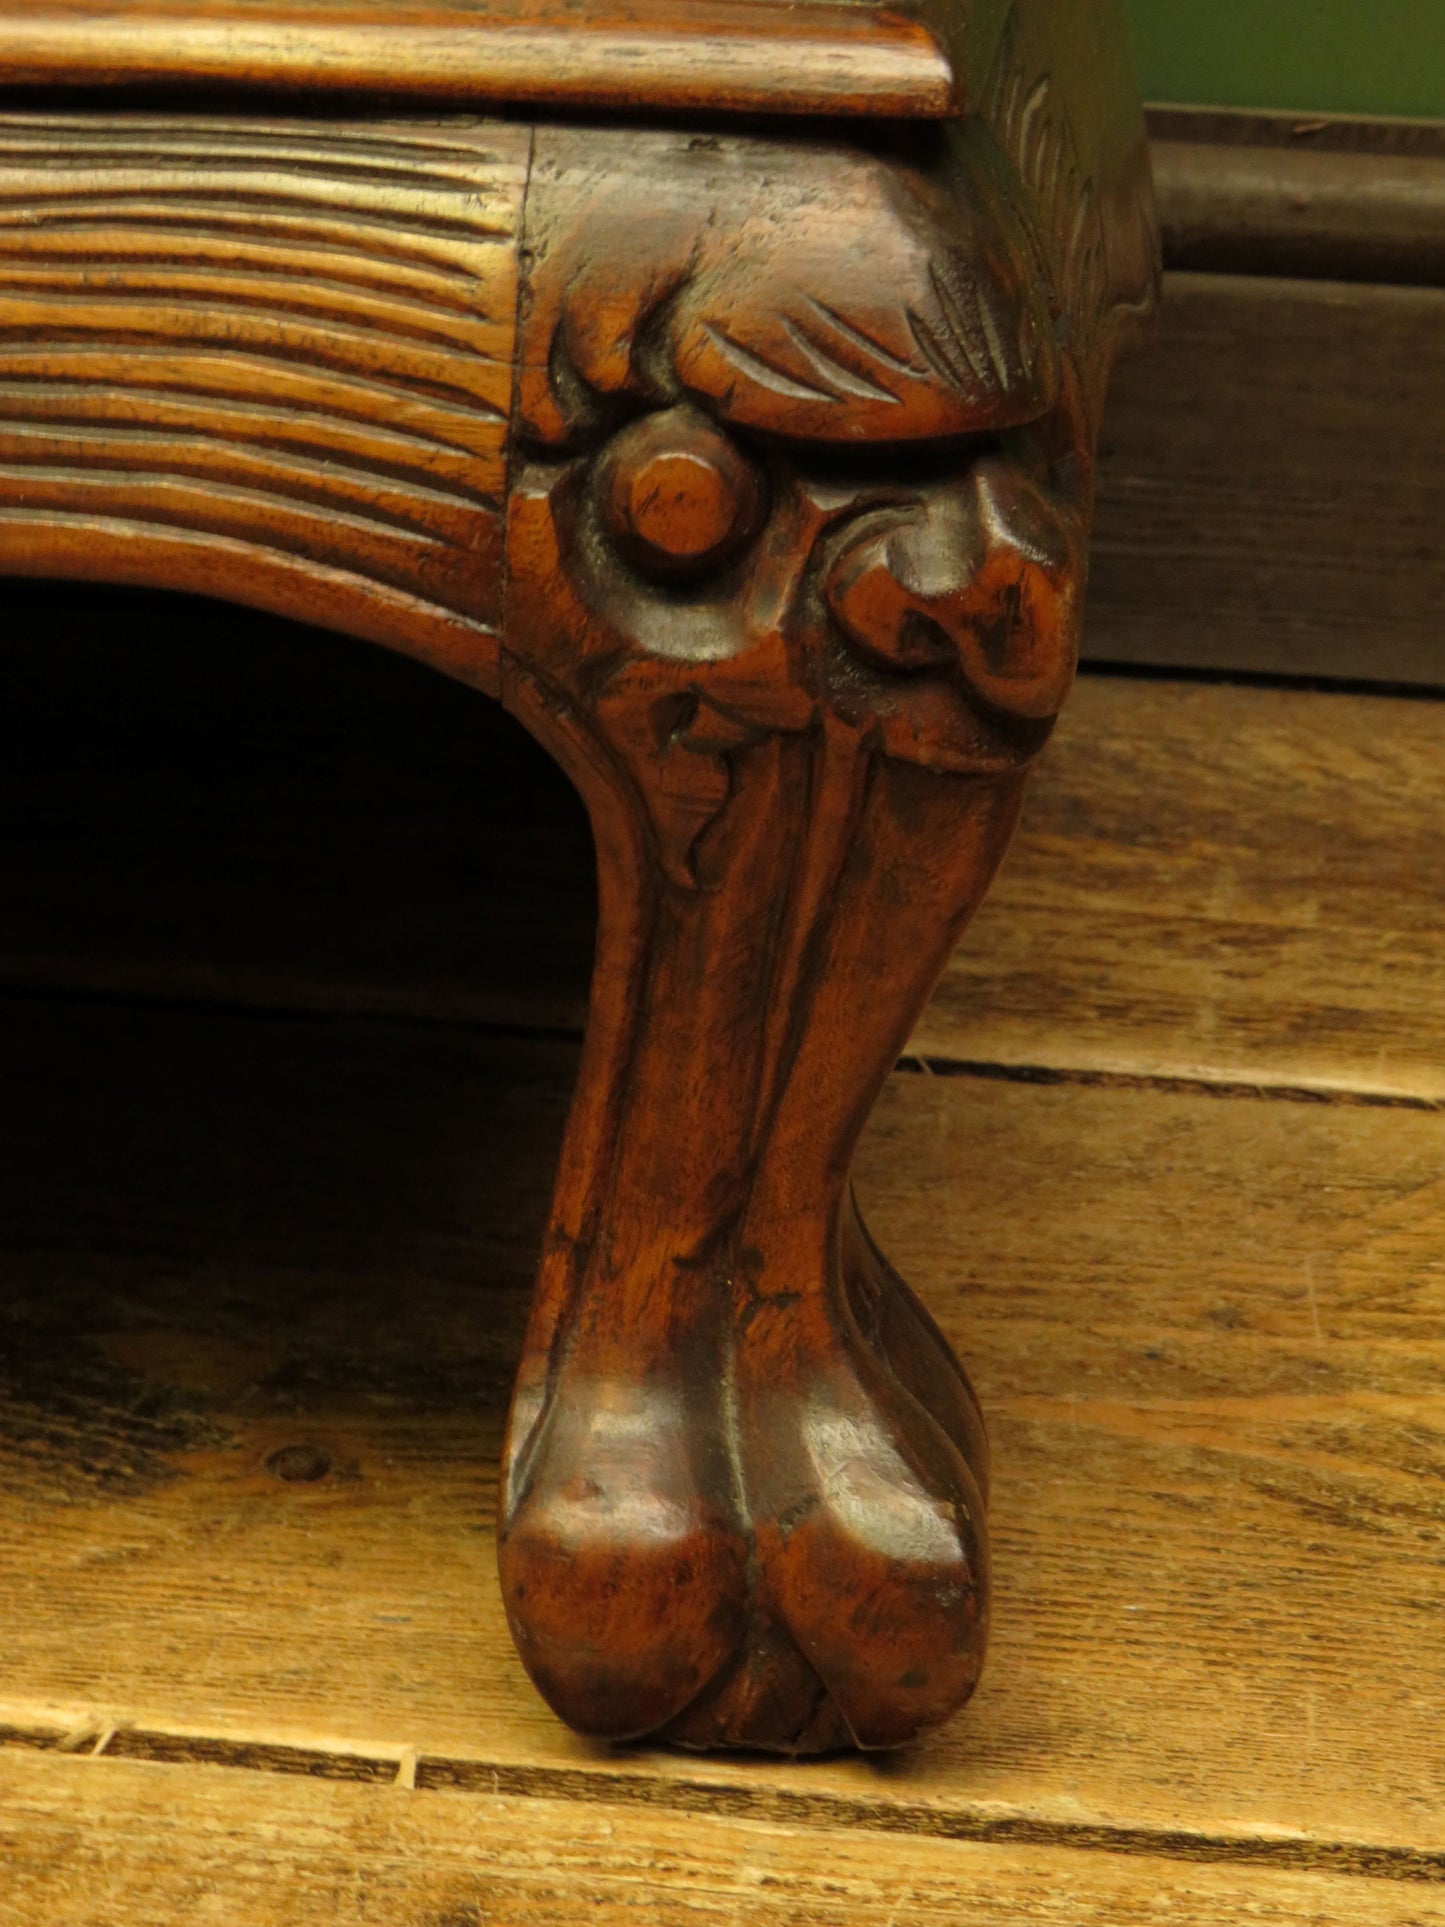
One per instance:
(744, 1499)
(795, 554)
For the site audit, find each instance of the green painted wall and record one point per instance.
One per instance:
(1325, 56)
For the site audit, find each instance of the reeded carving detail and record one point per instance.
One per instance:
(267, 361)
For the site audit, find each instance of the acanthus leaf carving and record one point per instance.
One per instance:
(1084, 174)
(935, 328)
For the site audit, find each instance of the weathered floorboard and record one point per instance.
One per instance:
(1231, 884)
(114, 1844)
(1209, 1335)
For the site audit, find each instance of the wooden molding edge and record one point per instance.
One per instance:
(830, 57)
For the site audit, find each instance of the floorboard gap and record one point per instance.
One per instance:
(1420, 692)
(769, 1804)
(1227, 1088)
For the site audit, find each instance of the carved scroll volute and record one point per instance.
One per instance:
(796, 552)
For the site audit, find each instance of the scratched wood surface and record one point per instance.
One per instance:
(1215, 882)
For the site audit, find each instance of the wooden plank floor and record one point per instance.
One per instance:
(1167, 1163)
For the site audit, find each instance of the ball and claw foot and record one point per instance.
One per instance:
(728, 1563)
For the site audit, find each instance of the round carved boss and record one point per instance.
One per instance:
(679, 497)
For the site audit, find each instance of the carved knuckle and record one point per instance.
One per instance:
(980, 578)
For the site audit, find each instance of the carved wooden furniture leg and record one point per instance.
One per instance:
(754, 474)
(796, 552)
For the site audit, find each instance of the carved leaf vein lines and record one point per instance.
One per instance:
(997, 352)
(964, 328)
(1030, 129)
(861, 340)
(833, 371)
(1040, 142)
(940, 357)
(765, 372)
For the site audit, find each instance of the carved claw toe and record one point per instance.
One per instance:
(769, 1700)
(870, 1545)
(809, 1573)
(624, 1583)
(870, 1579)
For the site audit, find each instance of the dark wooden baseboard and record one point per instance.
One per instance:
(1325, 199)
(1272, 496)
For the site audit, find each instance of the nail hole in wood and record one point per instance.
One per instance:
(299, 1464)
